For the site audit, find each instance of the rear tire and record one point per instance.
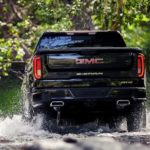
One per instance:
(136, 118)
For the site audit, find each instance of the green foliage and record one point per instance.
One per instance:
(120, 14)
(10, 96)
(10, 50)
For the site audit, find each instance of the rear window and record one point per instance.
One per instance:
(58, 41)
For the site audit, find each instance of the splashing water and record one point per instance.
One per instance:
(16, 130)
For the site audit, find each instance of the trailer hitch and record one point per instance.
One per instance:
(57, 105)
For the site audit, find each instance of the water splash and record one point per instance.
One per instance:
(18, 130)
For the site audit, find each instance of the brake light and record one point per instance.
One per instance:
(37, 70)
(141, 67)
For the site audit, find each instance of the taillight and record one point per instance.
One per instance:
(37, 70)
(140, 65)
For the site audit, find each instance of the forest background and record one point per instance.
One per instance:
(23, 21)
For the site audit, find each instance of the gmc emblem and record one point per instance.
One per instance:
(89, 61)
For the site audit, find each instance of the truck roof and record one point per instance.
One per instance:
(83, 32)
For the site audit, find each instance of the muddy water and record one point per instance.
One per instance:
(15, 133)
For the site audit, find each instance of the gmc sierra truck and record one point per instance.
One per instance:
(79, 73)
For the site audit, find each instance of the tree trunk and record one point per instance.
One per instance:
(116, 25)
(82, 19)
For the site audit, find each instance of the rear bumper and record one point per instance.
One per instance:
(91, 99)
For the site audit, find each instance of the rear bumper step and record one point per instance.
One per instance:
(88, 97)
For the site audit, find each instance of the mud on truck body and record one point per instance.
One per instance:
(83, 74)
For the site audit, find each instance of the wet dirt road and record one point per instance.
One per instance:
(16, 134)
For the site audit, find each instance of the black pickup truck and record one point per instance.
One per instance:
(80, 73)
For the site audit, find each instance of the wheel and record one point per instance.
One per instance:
(136, 118)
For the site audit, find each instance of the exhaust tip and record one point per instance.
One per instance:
(57, 104)
(123, 103)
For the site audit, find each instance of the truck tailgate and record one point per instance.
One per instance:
(90, 62)
(99, 61)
